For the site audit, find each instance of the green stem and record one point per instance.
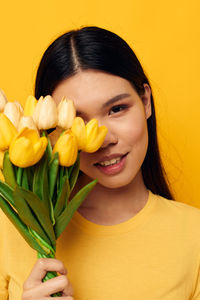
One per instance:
(50, 274)
(51, 254)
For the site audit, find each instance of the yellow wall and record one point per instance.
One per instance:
(165, 36)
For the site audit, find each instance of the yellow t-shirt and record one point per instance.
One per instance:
(155, 255)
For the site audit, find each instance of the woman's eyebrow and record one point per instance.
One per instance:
(110, 101)
(115, 99)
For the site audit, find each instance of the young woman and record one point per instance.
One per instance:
(127, 240)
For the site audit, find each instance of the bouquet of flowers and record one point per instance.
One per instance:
(38, 173)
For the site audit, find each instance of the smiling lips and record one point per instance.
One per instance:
(113, 166)
(110, 159)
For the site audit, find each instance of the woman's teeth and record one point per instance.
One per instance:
(110, 162)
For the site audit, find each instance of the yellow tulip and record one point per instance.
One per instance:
(67, 148)
(14, 111)
(1, 176)
(27, 148)
(7, 132)
(30, 106)
(1, 159)
(3, 100)
(27, 121)
(79, 130)
(45, 113)
(66, 113)
(94, 136)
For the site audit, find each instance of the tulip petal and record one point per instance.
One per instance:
(3, 100)
(39, 148)
(21, 152)
(30, 106)
(79, 130)
(66, 113)
(91, 134)
(45, 113)
(93, 147)
(28, 133)
(67, 148)
(13, 111)
(7, 132)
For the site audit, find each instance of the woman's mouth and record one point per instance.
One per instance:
(112, 166)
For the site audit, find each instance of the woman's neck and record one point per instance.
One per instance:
(108, 206)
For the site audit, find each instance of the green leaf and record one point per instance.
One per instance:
(72, 206)
(60, 179)
(19, 176)
(53, 172)
(40, 182)
(27, 215)
(25, 181)
(30, 174)
(7, 192)
(70, 170)
(8, 171)
(49, 147)
(61, 174)
(74, 173)
(40, 211)
(62, 197)
(20, 226)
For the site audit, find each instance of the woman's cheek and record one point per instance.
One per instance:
(85, 161)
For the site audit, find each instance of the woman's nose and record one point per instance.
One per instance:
(111, 138)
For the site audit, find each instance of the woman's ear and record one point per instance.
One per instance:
(146, 99)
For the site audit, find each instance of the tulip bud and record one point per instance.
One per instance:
(67, 148)
(27, 148)
(66, 113)
(30, 106)
(45, 113)
(79, 130)
(3, 100)
(7, 132)
(20, 107)
(94, 136)
(14, 111)
(27, 122)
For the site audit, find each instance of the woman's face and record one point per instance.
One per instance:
(124, 116)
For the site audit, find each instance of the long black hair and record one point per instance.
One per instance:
(103, 50)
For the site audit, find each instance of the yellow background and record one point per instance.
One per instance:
(166, 38)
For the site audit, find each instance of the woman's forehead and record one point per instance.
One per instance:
(93, 88)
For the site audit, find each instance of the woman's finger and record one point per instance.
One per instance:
(41, 267)
(49, 287)
(55, 285)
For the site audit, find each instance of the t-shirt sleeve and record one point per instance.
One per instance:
(4, 279)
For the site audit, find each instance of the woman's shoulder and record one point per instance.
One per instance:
(178, 212)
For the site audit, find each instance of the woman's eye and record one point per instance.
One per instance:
(117, 108)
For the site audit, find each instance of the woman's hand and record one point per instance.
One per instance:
(35, 289)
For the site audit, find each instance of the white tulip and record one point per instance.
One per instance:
(14, 112)
(66, 113)
(27, 121)
(3, 100)
(45, 113)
